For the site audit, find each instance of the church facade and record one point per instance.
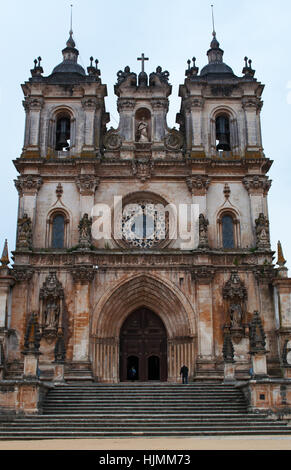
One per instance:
(143, 246)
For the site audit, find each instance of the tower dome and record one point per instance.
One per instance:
(216, 67)
(70, 59)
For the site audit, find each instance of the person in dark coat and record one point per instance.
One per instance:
(184, 372)
(132, 373)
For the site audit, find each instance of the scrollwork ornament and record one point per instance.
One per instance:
(174, 140)
(112, 140)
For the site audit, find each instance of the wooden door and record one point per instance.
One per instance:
(143, 343)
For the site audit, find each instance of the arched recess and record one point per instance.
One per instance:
(233, 127)
(163, 298)
(231, 214)
(53, 213)
(57, 114)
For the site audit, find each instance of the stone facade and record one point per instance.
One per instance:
(83, 287)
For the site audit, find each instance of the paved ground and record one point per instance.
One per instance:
(139, 443)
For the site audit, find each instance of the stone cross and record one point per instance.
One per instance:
(142, 58)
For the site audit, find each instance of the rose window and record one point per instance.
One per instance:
(144, 224)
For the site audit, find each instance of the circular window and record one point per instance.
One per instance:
(144, 222)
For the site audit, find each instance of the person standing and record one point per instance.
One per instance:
(184, 372)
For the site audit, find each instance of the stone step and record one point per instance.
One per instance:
(119, 410)
(116, 420)
(268, 430)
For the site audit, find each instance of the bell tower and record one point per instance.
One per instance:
(65, 111)
(220, 112)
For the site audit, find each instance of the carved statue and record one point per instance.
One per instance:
(203, 231)
(236, 316)
(262, 231)
(52, 314)
(142, 131)
(85, 235)
(51, 306)
(24, 226)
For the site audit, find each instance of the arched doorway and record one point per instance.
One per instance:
(143, 336)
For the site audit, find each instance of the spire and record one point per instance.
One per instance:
(5, 258)
(70, 56)
(216, 67)
(70, 41)
(281, 260)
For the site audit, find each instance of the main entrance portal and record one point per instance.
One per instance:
(143, 347)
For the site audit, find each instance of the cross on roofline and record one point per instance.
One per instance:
(142, 58)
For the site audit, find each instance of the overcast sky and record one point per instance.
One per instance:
(168, 32)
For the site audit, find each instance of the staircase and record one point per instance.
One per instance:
(151, 409)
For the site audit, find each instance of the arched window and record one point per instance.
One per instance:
(228, 230)
(222, 127)
(228, 238)
(63, 132)
(58, 231)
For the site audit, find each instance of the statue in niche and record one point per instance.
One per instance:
(51, 314)
(85, 235)
(24, 226)
(142, 130)
(51, 306)
(262, 231)
(236, 316)
(203, 231)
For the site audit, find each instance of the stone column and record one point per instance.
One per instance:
(252, 107)
(257, 187)
(90, 105)
(125, 108)
(87, 184)
(204, 276)
(180, 351)
(198, 186)
(28, 187)
(83, 276)
(197, 104)
(33, 107)
(106, 359)
(6, 282)
(282, 299)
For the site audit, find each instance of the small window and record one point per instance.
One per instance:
(63, 133)
(222, 133)
(58, 231)
(227, 232)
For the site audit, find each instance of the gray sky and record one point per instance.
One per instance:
(168, 32)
